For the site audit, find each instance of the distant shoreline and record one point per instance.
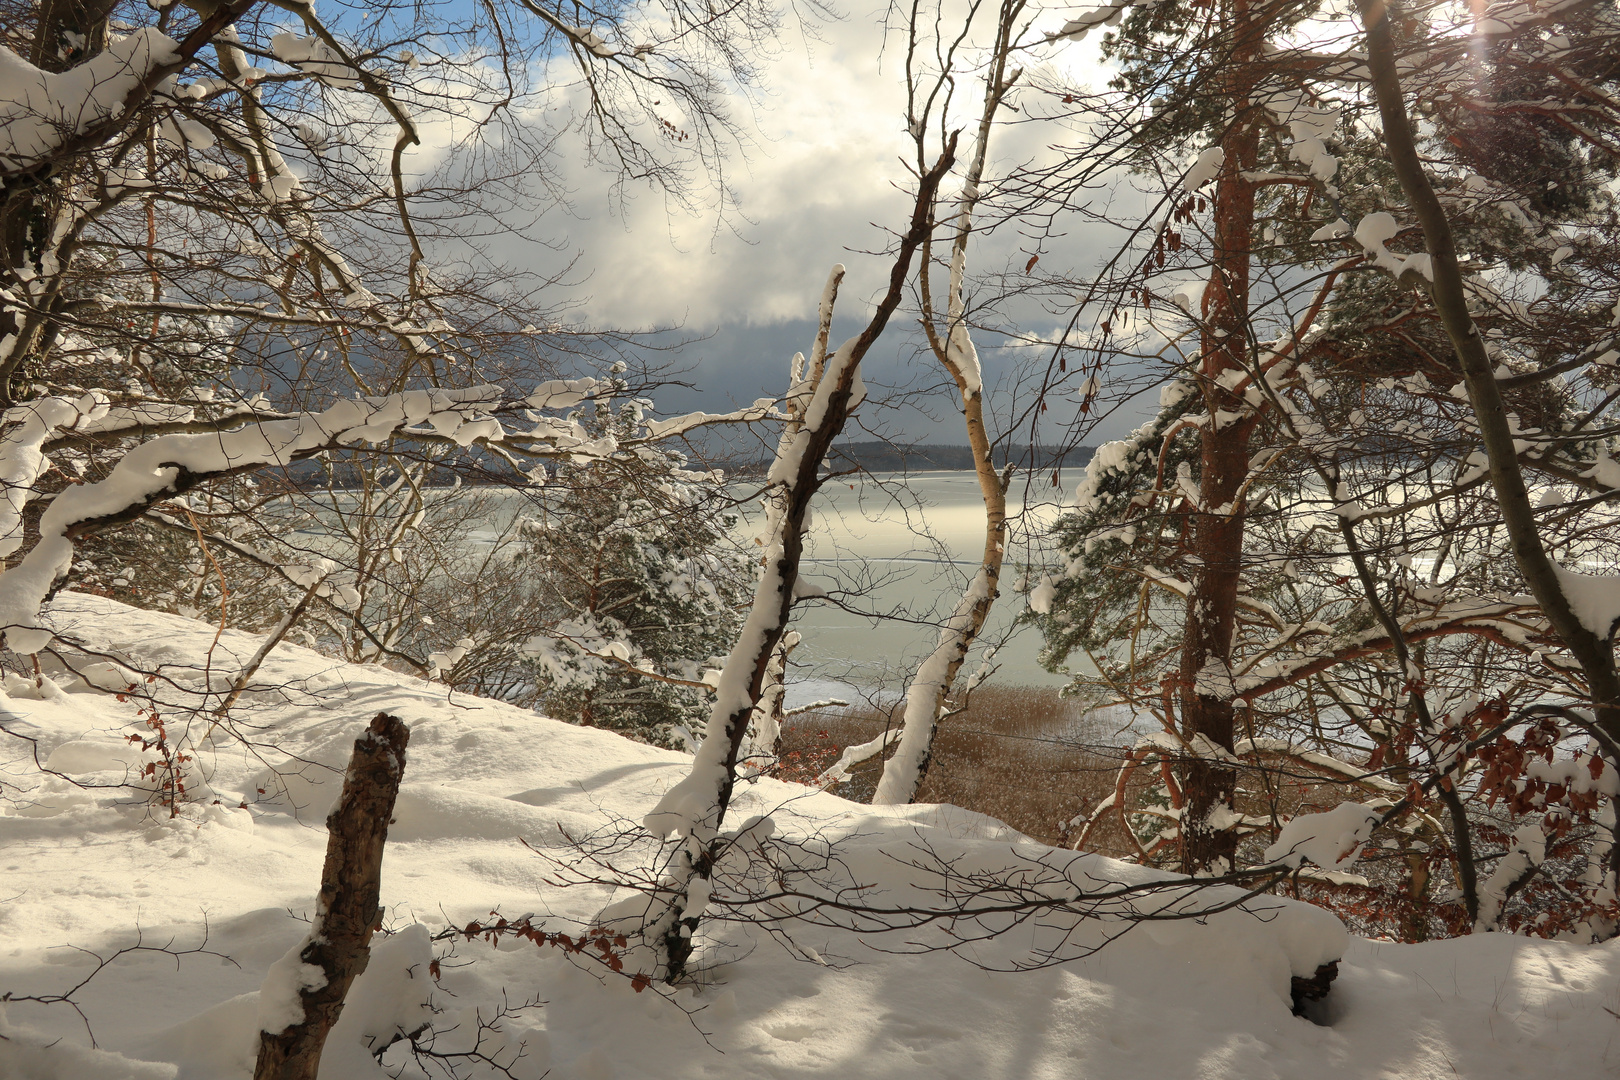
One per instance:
(872, 456)
(882, 457)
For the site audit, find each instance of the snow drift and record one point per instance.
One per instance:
(93, 867)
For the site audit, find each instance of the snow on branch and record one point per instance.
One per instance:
(1326, 762)
(1107, 15)
(314, 57)
(1204, 168)
(1594, 598)
(1331, 840)
(44, 116)
(38, 108)
(1509, 623)
(762, 409)
(853, 755)
(24, 431)
(1376, 230)
(583, 36)
(173, 464)
(1522, 859)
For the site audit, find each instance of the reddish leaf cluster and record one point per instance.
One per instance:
(609, 946)
(1507, 778)
(168, 769)
(1391, 913)
(803, 766)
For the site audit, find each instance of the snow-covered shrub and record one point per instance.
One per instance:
(635, 568)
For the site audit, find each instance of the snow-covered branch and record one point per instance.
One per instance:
(46, 117)
(174, 464)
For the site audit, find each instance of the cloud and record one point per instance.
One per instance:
(827, 135)
(822, 181)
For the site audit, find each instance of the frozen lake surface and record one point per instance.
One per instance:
(893, 552)
(905, 546)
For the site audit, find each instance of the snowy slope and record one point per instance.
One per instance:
(91, 869)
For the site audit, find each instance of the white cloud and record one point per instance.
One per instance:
(825, 164)
(828, 134)
(823, 180)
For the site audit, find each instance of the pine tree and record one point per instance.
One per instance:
(1377, 603)
(1213, 89)
(643, 582)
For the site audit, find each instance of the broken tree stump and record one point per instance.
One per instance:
(1307, 992)
(338, 944)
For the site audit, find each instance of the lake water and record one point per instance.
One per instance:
(897, 551)
(905, 547)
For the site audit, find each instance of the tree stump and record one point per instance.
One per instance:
(1306, 992)
(347, 909)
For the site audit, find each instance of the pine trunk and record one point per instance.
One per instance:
(1208, 842)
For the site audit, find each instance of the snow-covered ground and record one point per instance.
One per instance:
(89, 869)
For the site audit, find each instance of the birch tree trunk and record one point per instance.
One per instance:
(953, 348)
(695, 808)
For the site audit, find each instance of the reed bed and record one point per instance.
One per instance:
(1021, 754)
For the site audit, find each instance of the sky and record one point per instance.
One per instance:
(821, 180)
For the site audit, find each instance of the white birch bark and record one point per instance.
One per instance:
(925, 697)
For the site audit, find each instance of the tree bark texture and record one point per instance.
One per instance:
(347, 910)
(1208, 843)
